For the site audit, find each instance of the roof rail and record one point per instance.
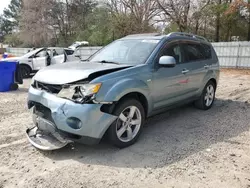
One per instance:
(187, 35)
(144, 34)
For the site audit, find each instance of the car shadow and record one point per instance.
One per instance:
(168, 137)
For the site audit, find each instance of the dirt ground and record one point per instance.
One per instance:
(184, 147)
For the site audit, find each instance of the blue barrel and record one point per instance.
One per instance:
(7, 70)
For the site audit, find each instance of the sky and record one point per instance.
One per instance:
(3, 4)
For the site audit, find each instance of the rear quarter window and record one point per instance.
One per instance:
(206, 51)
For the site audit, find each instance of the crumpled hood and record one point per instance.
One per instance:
(72, 71)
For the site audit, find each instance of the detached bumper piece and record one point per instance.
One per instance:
(45, 136)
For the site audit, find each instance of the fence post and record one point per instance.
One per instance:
(238, 57)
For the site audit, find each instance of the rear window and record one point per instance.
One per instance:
(195, 52)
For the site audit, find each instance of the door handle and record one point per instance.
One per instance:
(184, 71)
(207, 66)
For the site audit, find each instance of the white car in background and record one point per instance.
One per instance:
(42, 57)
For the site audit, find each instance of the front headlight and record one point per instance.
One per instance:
(79, 93)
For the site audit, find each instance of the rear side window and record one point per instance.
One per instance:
(195, 52)
(192, 52)
(42, 53)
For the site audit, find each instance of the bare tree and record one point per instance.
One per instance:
(142, 10)
(44, 20)
(138, 14)
(176, 11)
(34, 22)
(199, 16)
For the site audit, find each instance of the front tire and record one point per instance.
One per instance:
(125, 131)
(206, 99)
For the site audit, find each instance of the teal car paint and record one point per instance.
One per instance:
(118, 87)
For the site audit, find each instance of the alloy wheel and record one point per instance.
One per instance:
(128, 123)
(209, 96)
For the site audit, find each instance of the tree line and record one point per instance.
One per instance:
(33, 23)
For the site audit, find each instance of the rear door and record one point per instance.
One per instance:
(195, 60)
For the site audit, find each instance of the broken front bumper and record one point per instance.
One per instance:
(84, 123)
(45, 135)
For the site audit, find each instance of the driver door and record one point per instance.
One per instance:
(170, 84)
(40, 60)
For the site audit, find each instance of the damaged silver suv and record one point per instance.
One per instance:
(117, 88)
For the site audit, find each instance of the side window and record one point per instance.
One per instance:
(57, 51)
(192, 52)
(174, 51)
(206, 51)
(69, 52)
(41, 53)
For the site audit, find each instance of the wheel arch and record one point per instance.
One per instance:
(138, 96)
(214, 81)
(128, 88)
(109, 108)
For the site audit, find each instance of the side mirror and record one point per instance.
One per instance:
(167, 61)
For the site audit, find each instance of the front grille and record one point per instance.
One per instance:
(50, 88)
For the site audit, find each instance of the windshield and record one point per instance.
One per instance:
(134, 51)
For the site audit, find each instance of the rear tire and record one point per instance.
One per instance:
(25, 71)
(125, 131)
(206, 99)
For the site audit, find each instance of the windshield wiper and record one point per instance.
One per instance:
(111, 62)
